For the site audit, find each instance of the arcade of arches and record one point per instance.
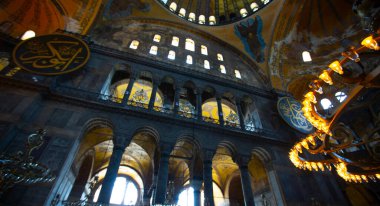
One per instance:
(190, 171)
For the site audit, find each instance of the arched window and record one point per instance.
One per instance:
(341, 96)
(153, 50)
(175, 41)
(173, 7)
(134, 44)
(220, 57)
(191, 17)
(182, 12)
(28, 34)
(265, 1)
(189, 59)
(124, 192)
(206, 64)
(190, 45)
(171, 55)
(157, 38)
(254, 6)
(222, 69)
(237, 74)
(306, 56)
(202, 19)
(212, 20)
(204, 50)
(326, 103)
(186, 197)
(243, 12)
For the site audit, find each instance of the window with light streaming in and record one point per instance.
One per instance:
(190, 45)
(173, 6)
(220, 57)
(153, 50)
(182, 12)
(326, 103)
(175, 41)
(171, 55)
(124, 192)
(254, 6)
(222, 69)
(189, 59)
(237, 74)
(134, 44)
(157, 38)
(206, 64)
(204, 50)
(341, 96)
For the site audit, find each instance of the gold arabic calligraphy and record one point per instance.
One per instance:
(55, 55)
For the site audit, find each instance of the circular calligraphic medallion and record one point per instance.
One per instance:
(291, 111)
(52, 54)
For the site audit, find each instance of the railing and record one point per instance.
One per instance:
(133, 105)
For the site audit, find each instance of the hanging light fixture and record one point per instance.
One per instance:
(323, 142)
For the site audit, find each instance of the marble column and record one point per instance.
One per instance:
(176, 100)
(199, 104)
(111, 174)
(153, 95)
(196, 183)
(274, 184)
(246, 182)
(162, 176)
(220, 110)
(207, 178)
(240, 113)
(128, 90)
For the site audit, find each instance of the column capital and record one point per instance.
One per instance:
(196, 183)
(121, 139)
(243, 161)
(207, 155)
(166, 148)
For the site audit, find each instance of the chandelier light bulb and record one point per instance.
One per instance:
(336, 67)
(370, 43)
(326, 77)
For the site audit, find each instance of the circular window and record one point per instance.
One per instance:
(326, 104)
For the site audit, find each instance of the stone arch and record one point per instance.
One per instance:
(262, 154)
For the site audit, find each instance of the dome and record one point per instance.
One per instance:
(213, 12)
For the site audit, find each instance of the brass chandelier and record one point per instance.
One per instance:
(322, 143)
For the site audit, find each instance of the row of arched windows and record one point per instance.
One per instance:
(173, 7)
(189, 45)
